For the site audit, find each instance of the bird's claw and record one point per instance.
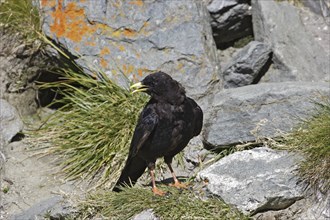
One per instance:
(179, 185)
(158, 192)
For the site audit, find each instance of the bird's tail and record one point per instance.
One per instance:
(133, 169)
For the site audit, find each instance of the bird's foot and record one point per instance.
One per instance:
(158, 192)
(179, 185)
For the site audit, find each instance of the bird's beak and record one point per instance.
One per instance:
(138, 87)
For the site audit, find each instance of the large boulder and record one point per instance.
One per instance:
(256, 111)
(296, 54)
(130, 39)
(247, 65)
(255, 180)
(230, 20)
(10, 122)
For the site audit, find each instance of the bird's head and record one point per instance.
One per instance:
(161, 87)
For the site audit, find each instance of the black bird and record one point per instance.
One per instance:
(165, 126)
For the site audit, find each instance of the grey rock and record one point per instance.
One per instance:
(318, 26)
(320, 7)
(246, 65)
(256, 111)
(53, 207)
(215, 6)
(145, 215)
(20, 65)
(230, 20)
(195, 153)
(296, 55)
(255, 180)
(317, 207)
(226, 56)
(10, 122)
(34, 189)
(129, 40)
(307, 208)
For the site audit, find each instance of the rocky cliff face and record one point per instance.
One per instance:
(128, 40)
(249, 92)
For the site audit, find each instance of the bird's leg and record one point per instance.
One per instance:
(176, 183)
(155, 190)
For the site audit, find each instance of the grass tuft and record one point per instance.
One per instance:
(177, 205)
(91, 133)
(21, 16)
(313, 140)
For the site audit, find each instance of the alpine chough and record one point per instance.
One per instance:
(165, 126)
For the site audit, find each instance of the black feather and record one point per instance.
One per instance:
(165, 126)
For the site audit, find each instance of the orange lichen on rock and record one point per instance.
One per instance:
(130, 69)
(124, 68)
(105, 51)
(140, 72)
(116, 33)
(90, 43)
(129, 33)
(121, 48)
(127, 69)
(144, 30)
(103, 63)
(58, 27)
(44, 2)
(77, 49)
(105, 30)
(70, 22)
(137, 2)
(179, 66)
(49, 3)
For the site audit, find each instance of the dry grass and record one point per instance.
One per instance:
(177, 205)
(21, 16)
(91, 133)
(312, 139)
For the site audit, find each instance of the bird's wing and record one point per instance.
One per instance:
(198, 117)
(146, 124)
